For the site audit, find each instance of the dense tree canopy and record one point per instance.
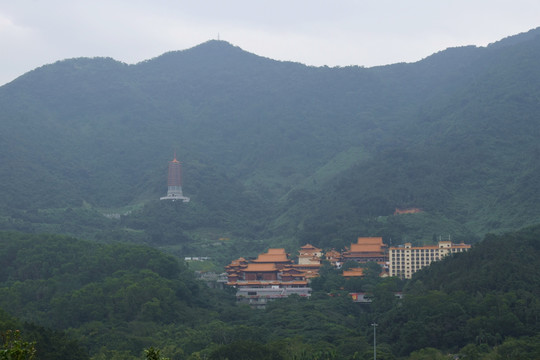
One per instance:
(117, 300)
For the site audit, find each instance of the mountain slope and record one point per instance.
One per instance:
(486, 296)
(305, 150)
(468, 155)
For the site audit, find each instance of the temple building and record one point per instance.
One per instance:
(367, 249)
(405, 260)
(272, 275)
(278, 257)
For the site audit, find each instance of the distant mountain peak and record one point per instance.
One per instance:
(210, 45)
(516, 39)
(210, 53)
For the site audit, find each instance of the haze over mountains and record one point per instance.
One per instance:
(276, 149)
(274, 154)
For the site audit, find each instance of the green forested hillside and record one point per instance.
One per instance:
(21, 338)
(114, 297)
(274, 152)
(484, 297)
(467, 156)
(113, 301)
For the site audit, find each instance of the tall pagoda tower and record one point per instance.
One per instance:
(174, 182)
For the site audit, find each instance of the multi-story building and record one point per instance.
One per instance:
(405, 260)
(309, 261)
(309, 255)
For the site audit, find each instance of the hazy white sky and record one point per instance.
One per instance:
(315, 32)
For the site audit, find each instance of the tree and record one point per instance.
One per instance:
(519, 349)
(14, 348)
(153, 354)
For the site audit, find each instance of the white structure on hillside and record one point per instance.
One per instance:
(174, 182)
(406, 260)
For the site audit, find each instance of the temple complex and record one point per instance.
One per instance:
(274, 275)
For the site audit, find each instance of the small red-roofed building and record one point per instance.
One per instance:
(399, 211)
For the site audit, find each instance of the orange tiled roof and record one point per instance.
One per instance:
(260, 267)
(353, 272)
(238, 262)
(272, 258)
(333, 254)
(366, 248)
(370, 241)
(309, 247)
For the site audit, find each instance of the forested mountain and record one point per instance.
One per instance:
(275, 150)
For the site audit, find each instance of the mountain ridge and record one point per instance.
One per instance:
(286, 140)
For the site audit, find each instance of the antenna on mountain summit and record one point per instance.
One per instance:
(218, 36)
